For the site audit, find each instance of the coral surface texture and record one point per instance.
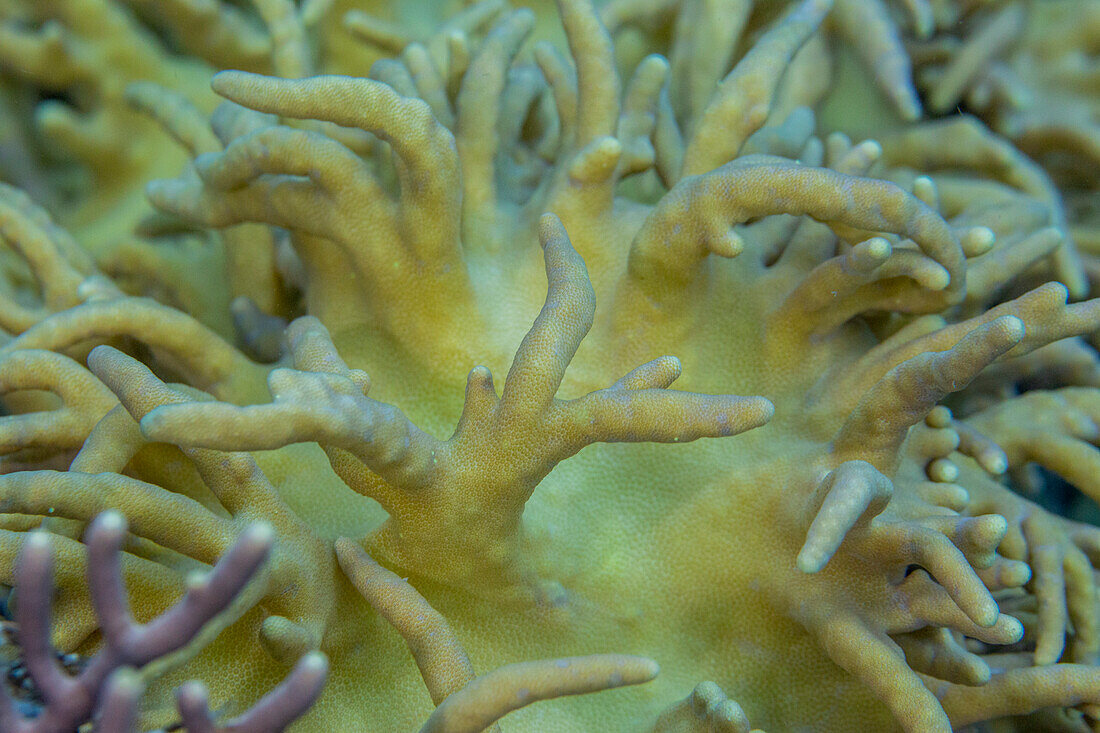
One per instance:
(580, 366)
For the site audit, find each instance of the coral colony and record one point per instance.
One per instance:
(396, 366)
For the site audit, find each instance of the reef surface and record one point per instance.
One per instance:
(736, 354)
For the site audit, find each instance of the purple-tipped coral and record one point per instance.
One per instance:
(107, 687)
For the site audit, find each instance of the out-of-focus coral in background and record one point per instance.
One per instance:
(737, 354)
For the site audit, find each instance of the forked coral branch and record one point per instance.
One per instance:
(501, 448)
(104, 682)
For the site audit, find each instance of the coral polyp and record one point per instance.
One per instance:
(554, 368)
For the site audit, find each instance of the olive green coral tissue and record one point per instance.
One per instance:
(655, 366)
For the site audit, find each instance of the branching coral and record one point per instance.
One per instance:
(1028, 69)
(109, 683)
(909, 312)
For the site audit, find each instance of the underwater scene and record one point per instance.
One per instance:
(539, 366)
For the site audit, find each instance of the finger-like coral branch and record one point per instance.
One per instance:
(853, 493)
(869, 28)
(176, 114)
(273, 712)
(84, 400)
(439, 656)
(492, 696)
(938, 653)
(881, 421)
(155, 513)
(56, 261)
(1019, 691)
(597, 81)
(743, 100)
(705, 710)
(215, 30)
(639, 115)
(869, 277)
(406, 124)
(176, 337)
(408, 250)
(1046, 316)
(1001, 31)
(478, 111)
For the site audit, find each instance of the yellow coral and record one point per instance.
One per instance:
(856, 558)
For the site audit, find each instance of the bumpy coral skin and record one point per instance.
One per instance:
(816, 530)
